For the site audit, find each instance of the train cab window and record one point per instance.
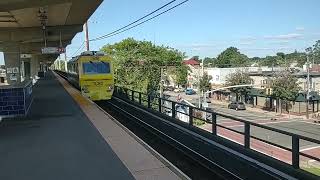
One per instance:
(96, 67)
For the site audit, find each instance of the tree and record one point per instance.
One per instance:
(181, 75)
(316, 52)
(137, 64)
(205, 84)
(240, 77)
(285, 87)
(209, 62)
(196, 58)
(269, 61)
(281, 59)
(231, 57)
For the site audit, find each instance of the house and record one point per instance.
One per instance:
(261, 95)
(194, 73)
(219, 75)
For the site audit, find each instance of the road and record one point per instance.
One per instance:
(293, 124)
(248, 115)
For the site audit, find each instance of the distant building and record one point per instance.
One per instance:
(194, 73)
(191, 62)
(263, 79)
(219, 75)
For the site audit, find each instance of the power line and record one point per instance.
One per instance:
(113, 34)
(78, 49)
(135, 21)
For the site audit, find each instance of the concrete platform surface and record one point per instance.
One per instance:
(56, 141)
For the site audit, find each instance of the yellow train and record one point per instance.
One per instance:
(92, 73)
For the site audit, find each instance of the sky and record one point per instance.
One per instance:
(207, 27)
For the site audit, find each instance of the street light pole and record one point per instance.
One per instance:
(308, 87)
(203, 92)
(87, 36)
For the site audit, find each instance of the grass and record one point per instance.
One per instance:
(198, 122)
(313, 170)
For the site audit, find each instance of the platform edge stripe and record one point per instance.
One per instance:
(158, 156)
(167, 163)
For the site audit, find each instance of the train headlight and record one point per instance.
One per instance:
(110, 88)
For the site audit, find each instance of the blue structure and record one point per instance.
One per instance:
(15, 100)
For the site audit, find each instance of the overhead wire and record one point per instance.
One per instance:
(135, 20)
(123, 29)
(80, 48)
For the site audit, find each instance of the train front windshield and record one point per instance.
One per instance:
(96, 67)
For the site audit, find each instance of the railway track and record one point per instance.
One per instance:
(157, 140)
(190, 166)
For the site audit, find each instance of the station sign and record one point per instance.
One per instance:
(25, 56)
(53, 50)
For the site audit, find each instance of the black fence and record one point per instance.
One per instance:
(192, 116)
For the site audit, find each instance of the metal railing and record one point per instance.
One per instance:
(192, 113)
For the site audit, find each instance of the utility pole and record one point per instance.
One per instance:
(199, 80)
(87, 36)
(65, 61)
(203, 92)
(308, 87)
(161, 82)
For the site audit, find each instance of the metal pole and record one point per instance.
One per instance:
(161, 82)
(295, 152)
(65, 61)
(199, 88)
(202, 75)
(87, 36)
(308, 88)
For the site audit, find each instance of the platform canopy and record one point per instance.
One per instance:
(30, 22)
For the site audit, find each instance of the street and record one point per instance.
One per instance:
(294, 124)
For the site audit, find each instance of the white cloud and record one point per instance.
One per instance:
(285, 36)
(257, 49)
(300, 29)
(316, 34)
(198, 45)
(248, 39)
(246, 43)
(267, 48)
(281, 42)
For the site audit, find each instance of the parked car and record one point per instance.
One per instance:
(190, 92)
(237, 106)
(178, 90)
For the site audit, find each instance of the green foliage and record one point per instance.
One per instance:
(314, 52)
(137, 64)
(313, 170)
(209, 62)
(285, 86)
(205, 82)
(181, 75)
(282, 59)
(196, 58)
(198, 122)
(231, 57)
(61, 63)
(240, 77)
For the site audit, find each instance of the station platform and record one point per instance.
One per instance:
(66, 136)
